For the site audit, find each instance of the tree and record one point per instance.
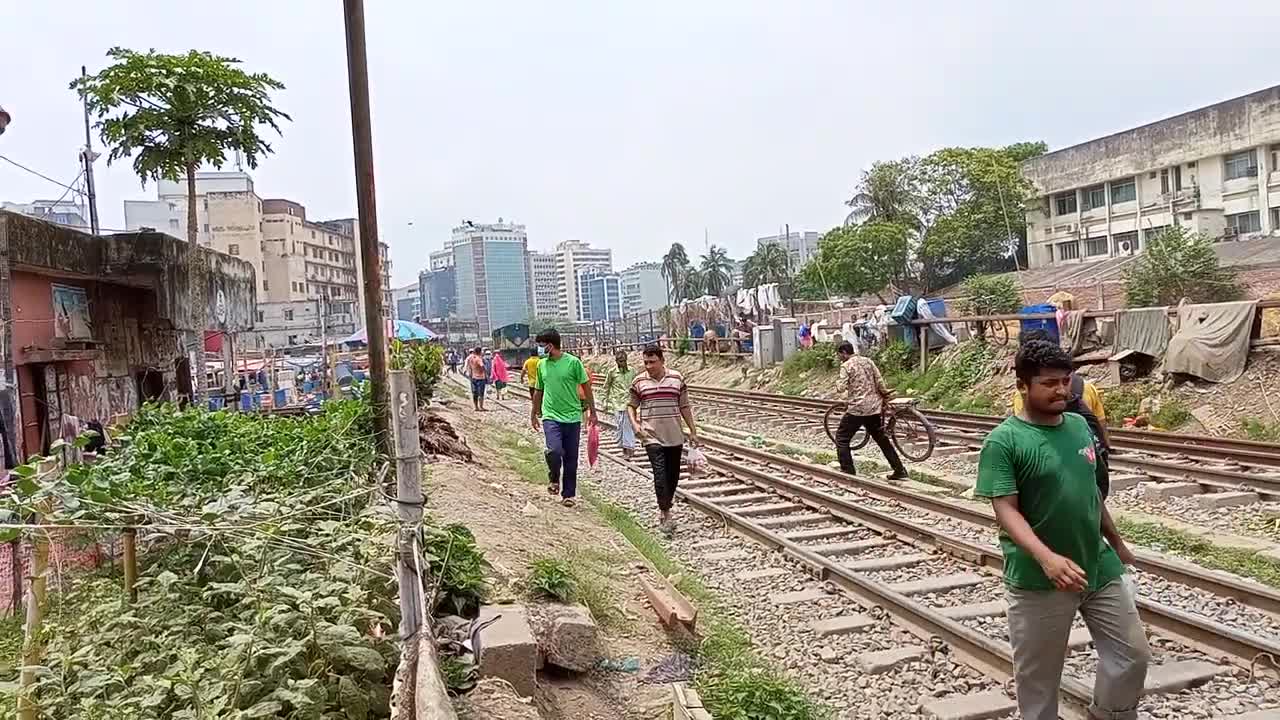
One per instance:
(538, 323)
(174, 113)
(856, 260)
(991, 295)
(888, 192)
(1178, 264)
(716, 271)
(768, 264)
(675, 266)
(695, 285)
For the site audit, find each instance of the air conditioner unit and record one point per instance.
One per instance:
(1126, 247)
(1231, 232)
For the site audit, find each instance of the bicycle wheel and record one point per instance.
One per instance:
(999, 333)
(977, 330)
(831, 421)
(912, 434)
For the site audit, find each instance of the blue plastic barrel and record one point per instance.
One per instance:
(1049, 325)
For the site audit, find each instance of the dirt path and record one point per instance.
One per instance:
(503, 501)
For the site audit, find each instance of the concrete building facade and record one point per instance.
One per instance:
(491, 273)
(60, 212)
(801, 245)
(351, 227)
(543, 271)
(599, 295)
(438, 294)
(643, 288)
(573, 256)
(406, 301)
(1214, 170)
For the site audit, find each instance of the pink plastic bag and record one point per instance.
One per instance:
(593, 444)
(697, 462)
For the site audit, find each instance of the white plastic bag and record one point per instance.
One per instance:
(697, 462)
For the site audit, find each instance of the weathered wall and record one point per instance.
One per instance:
(1236, 124)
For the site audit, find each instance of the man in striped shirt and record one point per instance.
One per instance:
(659, 401)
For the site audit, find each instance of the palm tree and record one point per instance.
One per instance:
(716, 271)
(887, 192)
(675, 266)
(694, 284)
(768, 264)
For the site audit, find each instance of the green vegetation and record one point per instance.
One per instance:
(1126, 401)
(1176, 264)
(1173, 414)
(425, 361)
(854, 260)
(278, 599)
(577, 579)
(894, 358)
(551, 578)
(173, 114)
(991, 295)
(1240, 561)
(807, 366)
(734, 682)
(768, 264)
(950, 380)
(1261, 430)
(459, 567)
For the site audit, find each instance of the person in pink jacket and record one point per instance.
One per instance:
(500, 375)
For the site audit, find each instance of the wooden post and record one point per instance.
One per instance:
(32, 650)
(130, 561)
(15, 568)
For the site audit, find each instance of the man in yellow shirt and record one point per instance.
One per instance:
(531, 373)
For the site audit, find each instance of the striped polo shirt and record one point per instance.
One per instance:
(659, 403)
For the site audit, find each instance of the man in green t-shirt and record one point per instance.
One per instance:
(1038, 469)
(555, 401)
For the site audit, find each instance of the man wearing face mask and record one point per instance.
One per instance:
(555, 400)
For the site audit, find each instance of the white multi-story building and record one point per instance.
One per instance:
(643, 288)
(1214, 170)
(573, 256)
(62, 212)
(542, 270)
(801, 246)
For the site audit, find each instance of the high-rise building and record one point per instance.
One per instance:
(1214, 170)
(543, 270)
(801, 246)
(573, 256)
(438, 293)
(407, 302)
(351, 226)
(491, 271)
(599, 295)
(643, 288)
(62, 212)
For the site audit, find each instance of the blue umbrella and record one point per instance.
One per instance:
(405, 330)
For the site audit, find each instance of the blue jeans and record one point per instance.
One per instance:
(562, 452)
(477, 389)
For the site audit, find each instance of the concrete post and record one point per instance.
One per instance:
(1264, 172)
(777, 341)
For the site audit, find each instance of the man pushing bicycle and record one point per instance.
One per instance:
(866, 399)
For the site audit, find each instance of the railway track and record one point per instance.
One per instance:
(931, 565)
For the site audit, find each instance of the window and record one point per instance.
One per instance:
(1164, 181)
(1094, 197)
(233, 249)
(1275, 218)
(206, 227)
(1177, 177)
(265, 286)
(1065, 202)
(1126, 243)
(261, 316)
(1094, 247)
(288, 314)
(1241, 164)
(1069, 251)
(313, 234)
(1246, 222)
(173, 223)
(1123, 191)
(1152, 232)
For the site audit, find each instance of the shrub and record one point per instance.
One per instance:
(1173, 414)
(552, 578)
(1177, 264)
(894, 358)
(424, 361)
(991, 295)
(822, 356)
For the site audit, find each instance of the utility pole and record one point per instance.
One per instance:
(367, 208)
(88, 157)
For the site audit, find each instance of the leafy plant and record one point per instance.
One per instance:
(1260, 430)
(822, 356)
(1178, 264)
(991, 295)
(459, 567)
(1173, 414)
(552, 578)
(682, 345)
(425, 361)
(770, 263)
(174, 113)
(855, 260)
(716, 271)
(894, 358)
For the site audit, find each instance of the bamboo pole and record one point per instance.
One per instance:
(32, 650)
(131, 564)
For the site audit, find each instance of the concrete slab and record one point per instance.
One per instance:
(743, 499)
(979, 706)
(886, 563)
(949, 450)
(1079, 638)
(968, 612)
(1178, 676)
(1124, 481)
(1216, 537)
(792, 520)
(874, 663)
(770, 509)
(1273, 714)
(704, 483)
(849, 548)
(723, 492)
(1270, 554)
(970, 456)
(1226, 499)
(750, 575)
(938, 584)
(726, 555)
(841, 625)
(1165, 490)
(821, 533)
(507, 647)
(799, 596)
(573, 640)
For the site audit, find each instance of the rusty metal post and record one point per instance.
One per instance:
(367, 208)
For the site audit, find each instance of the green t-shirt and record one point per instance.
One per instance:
(559, 380)
(1051, 470)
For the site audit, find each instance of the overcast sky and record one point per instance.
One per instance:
(635, 125)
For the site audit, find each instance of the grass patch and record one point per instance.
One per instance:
(1240, 561)
(577, 579)
(454, 389)
(1260, 430)
(1173, 414)
(525, 457)
(551, 578)
(734, 682)
(949, 381)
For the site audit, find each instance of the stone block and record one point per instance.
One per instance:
(942, 584)
(573, 640)
(725, 555)
(1124, 481)
(1178, 676)
(507, 647)
(874, 663)
(849, 548)
(995, 608)
(800, 596)
(776, 508)
(820, 533)
(1273, 714)
(1165, 490)
(979, 706)
(762, 574)
(1270, 554)
(886, 563)
(1226, 499)
(782, 521)
(841, 625)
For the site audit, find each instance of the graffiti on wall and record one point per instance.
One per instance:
(71, 319)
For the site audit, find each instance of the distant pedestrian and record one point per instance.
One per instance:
(479, 377)
(617, 393)
(866, 399)
(1062, 552)
(499, 375)
(531, 370)
(659, 401)
(561, 377)
(488, 362)
(805, 336)
(451, 359)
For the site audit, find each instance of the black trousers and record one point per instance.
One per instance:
(665, 462)
(875, 428)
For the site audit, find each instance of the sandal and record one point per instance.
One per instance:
(553, 489)
(569, 502)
